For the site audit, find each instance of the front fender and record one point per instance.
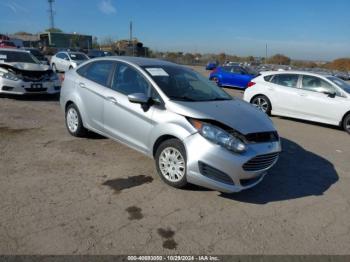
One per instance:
(169, 129)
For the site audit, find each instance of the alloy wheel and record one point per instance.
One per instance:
(72, 120)
(261, 104)
(172, 164)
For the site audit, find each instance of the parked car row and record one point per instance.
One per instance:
(193, 129)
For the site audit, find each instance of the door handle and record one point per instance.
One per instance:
(112, 100)
(82, 85)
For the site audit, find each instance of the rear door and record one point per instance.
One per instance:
(94, 78)
(317, 103)
(284, 94)
(240, 77)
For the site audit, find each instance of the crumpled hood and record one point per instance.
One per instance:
(235, 113)
(28, 66)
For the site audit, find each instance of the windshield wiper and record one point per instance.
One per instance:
(219, 99)
(182, 98)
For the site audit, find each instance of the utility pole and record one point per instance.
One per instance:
(51, 13)
(266, 54)
(131, 40)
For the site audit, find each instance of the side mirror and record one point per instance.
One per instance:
(330, 93)
(138, 98)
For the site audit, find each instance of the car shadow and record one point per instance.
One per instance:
(298, 173)
(32, 97)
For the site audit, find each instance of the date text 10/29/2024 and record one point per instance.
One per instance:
(173, 258)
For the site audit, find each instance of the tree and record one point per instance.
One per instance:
(342, 64)
(279, 59)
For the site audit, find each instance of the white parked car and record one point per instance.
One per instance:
(64, 61)
(302, 95)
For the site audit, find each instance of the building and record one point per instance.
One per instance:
(63, 40)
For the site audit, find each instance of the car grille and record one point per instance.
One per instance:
(36, 89)
(262, 137)
(214, 174)
(261, 162)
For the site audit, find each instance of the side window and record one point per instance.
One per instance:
(268, 78)
(60, 55)
(128, 80)
(98, 72)
(312, 83)
(287, 80)
(83, 70)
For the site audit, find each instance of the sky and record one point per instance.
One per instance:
(301, 29)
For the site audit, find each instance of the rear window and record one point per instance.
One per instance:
(268, 78)
(287, 80)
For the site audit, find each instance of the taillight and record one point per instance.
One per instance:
(214, 70)
(250, 84)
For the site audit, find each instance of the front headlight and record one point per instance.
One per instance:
(219, 136)
(9, 76)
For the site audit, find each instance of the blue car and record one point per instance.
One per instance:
(231, 76)
(211, 65)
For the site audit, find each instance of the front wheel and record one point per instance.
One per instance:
(346, 123)
(262, 103)
(171, 162)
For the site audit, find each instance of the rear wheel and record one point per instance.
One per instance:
(346, 123)
(262, 103)
(171, 162)
(74, 122)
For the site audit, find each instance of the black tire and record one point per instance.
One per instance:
(70, 67)
(265, 104)
(80, 130)
(167, 145)
(346, 123)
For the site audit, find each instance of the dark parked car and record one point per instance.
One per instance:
(98, 53)
(231, 76)
(211, 65)
(38, 55)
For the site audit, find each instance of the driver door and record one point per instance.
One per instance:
(320, 101)
(128, 122)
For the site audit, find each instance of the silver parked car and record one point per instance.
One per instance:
(194, 130)
(21, 73)
(64, 61)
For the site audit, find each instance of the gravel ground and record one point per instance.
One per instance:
(66, 195)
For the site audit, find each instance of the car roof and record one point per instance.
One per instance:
(140, 61)
(14, 50)
(298, 72)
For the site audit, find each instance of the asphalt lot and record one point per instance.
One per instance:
(66, 195)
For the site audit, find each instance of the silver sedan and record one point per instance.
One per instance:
(194, 130)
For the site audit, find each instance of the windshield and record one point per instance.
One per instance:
(341, 83)
(36, 53)
(182, 84)
(77, 56)
(20, 57)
